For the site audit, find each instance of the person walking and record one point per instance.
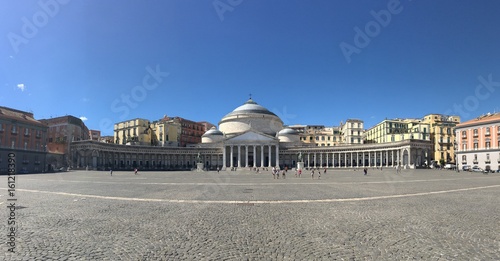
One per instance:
(366, 171)
(135, 171)
(312, 174)
(111, 172)
(300, 172)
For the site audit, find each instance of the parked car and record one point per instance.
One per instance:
(466, 168)
(477, 169)
(450, 166)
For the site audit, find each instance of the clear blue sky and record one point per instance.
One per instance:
(82, 58)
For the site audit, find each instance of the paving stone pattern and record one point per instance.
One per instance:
(248, 216)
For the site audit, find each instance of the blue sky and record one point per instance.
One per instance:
(110, 61)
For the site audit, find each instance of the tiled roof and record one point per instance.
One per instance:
(17, 115)
(481, 120)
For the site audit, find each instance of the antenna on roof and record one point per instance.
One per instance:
(250, 96)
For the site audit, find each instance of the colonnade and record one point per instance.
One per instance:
(247, 156)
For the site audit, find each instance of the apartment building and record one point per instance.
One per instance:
(25, 137)
(478, 142)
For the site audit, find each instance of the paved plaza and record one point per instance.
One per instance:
(243, 215)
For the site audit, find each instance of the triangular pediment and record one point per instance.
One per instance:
(251, 136)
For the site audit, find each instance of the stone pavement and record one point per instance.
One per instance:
(416, 214)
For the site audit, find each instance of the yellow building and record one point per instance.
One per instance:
(442, 136)
(133, 132)
(161, 133)
(167, 133)
(398, 130)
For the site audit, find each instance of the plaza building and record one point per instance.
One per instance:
(352, 131)
(24, 136)
(396, 130)
(442, 135)
(478, 142)
(251, 136)
(62, 131)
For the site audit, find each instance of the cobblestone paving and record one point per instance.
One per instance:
(417, 214)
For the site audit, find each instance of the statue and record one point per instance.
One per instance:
(300, 156)
(198, 158)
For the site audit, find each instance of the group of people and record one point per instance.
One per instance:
(277, 172)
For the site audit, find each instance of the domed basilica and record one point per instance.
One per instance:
(249, 137)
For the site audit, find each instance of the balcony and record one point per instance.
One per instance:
(487, 161)
(475, 162)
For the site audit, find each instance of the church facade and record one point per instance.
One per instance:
(250, 137)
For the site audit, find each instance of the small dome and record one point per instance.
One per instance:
(288, 131)
(213, 132)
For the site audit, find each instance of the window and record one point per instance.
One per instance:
(487, 131)
(464, 146)
(487, 144)
(448, 140)
(464, 158)
(14, 129)
(1, 127)
(26, 132)
(475, 157)
(317, 138)
(448, 131)
(12, 143)
(475, 132)
(464, 134)
(322, 137)
(475, 145)
(25, 145)
(487, 157)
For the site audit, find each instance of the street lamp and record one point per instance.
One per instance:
(455, 147)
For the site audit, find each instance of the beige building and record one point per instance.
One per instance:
(398, 130)
(133, 132)
(442, 136)
(352, 131)
(167, 133)
(143, 132)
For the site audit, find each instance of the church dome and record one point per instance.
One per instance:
(288, 135)
(288, 131)
(250, 116)
(212, 135)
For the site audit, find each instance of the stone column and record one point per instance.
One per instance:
(239, 156)
(327, 162)
(320, 159)
(315, 160)
(224, 158)
(246, 158)
(232, 157)
(369, 159)
(387, 158)
(261, 156)
(308, 161)
(254, 156)
(340, 166)
(270, 158)
(277, 156)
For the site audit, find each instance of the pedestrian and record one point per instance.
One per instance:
(319, 174)
(284, 171)
(324, 172)
(111, 172)
(218, 169)
(135, 171)
(312, 174)
(366, 171)
(300, 172)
